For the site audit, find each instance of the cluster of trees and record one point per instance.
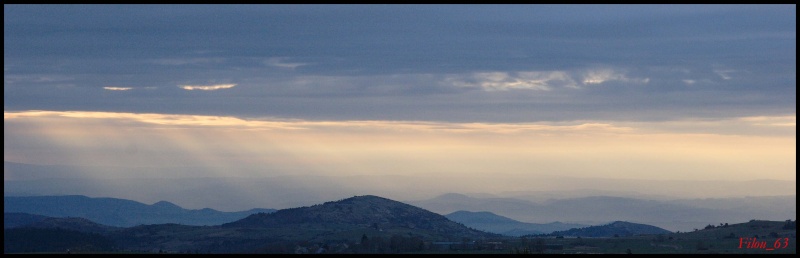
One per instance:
(720, 226)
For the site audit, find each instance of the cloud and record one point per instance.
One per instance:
(279, 62)
(158, 119)
(541, 80)
(760, 126)
(736, 126)
(114, 88)
(342, 126)
(348, 65)
(503, 81)
(207, 87)
(599, 76)
(36, 78)
(724, 74)
(779, 121)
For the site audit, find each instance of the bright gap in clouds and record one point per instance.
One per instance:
(738, 149)
(207, 87)
(117, 88)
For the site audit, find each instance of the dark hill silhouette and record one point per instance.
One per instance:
(363, 212)
(616, 228)
(20, 219)
(358, 224)
(490, 222)
(119, 212)
(73, 223)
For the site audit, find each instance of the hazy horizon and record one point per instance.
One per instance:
(401, 101)
(290, 191)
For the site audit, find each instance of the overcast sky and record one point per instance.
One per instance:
(443, 63)
(680, 91)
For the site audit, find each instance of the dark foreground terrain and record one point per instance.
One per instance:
(371, 224)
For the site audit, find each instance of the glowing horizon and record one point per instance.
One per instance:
(762, 149)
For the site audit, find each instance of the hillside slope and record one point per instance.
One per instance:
(613, 229)
(494, 223)
(119, 212)
(363, 212)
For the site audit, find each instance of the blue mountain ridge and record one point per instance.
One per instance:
(120, 212)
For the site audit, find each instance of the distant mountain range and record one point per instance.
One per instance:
(120, 212)
(181, 185)
(361, 224)
(490, 222)
(674, 215)
(364, 224)
(613, 229)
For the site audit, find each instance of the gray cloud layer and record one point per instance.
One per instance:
(447, 63)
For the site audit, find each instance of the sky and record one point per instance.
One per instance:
(653, 92)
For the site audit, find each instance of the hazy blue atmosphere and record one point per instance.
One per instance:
(234, 107)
